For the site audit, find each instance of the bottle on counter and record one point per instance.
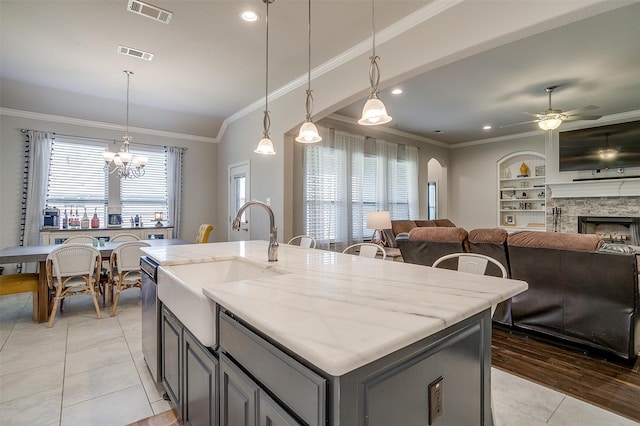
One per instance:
(85, 222)
(77, 219)
(95, 220)
(65, 220)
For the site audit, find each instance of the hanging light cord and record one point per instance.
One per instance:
(127, 138)
(309, 104)
(266, 122)
(374, 71)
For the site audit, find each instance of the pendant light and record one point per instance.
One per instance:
(124, 163)
(265, 146)
(308, 130)
(374, 111)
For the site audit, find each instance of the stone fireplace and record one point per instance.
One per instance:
(625, 230)
(572, 208)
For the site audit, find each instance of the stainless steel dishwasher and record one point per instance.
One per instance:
(151, 309)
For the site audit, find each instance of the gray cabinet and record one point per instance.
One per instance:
(243, 402)
(189, 372)
(172, 356)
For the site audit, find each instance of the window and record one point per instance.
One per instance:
(77, 181)
(432, 203)
(147, 194)
(346, 176)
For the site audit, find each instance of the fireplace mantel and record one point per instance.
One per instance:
(596, 188)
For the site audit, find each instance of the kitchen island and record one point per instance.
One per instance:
(324, 338)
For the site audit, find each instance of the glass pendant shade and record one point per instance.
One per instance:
(265, 147)
(308, 133)
(374, 113)
(549, 123)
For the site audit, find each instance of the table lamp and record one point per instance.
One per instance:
(159, 217)
(379, 221)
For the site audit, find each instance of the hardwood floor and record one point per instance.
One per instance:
(612, 384)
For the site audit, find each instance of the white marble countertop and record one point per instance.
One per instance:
(340, 312)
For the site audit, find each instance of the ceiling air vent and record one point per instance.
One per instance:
(136, 53)
(150, 11)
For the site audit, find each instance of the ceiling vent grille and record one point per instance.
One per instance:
(150, 11)
(136, 53)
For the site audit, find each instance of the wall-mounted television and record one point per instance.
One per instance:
(599, 148)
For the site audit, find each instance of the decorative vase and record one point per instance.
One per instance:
(524, 169)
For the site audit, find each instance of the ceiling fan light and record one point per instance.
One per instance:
(265, 147)
(308, 133)
(549, 123)
(374, 113)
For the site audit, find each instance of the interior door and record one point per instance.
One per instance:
(239, 193)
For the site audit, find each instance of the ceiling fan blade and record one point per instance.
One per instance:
(579, 110)
(535, 114)
(582, 117)
(517, 124)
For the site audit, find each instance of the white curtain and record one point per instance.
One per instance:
(174, 188)
(346, 176)
(38, 164)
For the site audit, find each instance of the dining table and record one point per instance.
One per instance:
(39, 253)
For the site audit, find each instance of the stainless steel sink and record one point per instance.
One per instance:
(180, 289)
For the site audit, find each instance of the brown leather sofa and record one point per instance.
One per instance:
(404, 226)
(577, 292)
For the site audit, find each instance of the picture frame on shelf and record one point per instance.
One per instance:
(540, 170)
(509, 220)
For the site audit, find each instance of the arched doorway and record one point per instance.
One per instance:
(436, 190)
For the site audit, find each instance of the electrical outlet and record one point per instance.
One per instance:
(436, 400)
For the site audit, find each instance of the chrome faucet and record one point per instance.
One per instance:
(273, 231)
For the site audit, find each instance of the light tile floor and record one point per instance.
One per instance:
(86, 371)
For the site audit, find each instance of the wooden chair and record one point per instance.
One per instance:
(21, 283)
(124, 271)
(72, 270)
(305, 241)
(203, 233)
(124, 237)
(367, 250)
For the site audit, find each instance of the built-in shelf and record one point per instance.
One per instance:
(521, 199)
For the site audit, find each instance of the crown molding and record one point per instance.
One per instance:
(100, 125)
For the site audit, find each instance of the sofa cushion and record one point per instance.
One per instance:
(555, 240)
(426, 223)
(438, 234)
(488, 235)
(444, 223)
(398, 226)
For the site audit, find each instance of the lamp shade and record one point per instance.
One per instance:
(265, 147)
(549, 123)
(308, 133)
(379, 220)
(373, 113)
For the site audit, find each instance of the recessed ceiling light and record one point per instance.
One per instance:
(487, 127)
(249, 16)
(396, 91)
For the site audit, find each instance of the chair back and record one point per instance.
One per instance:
(71, 260)
(79, 239)
(367, 250)
(126, 257)
(473, 263)
(306, 241)
(203, 233)
(123, 237)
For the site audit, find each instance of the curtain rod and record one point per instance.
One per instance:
(93, 139)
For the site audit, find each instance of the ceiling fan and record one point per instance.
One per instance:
(552, 118)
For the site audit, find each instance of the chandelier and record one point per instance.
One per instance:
(124, 163)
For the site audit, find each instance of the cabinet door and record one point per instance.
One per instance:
(200, 384)
(238, 395)
(270, 413)
(172, 356)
